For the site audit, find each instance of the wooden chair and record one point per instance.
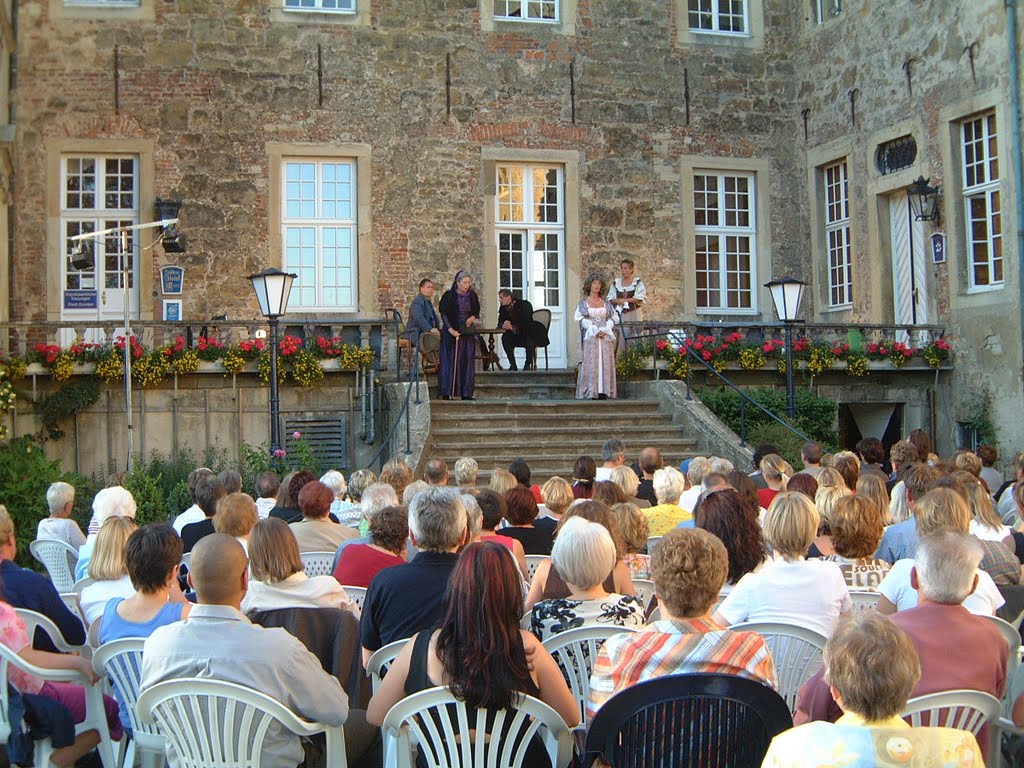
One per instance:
(796, 651)
(542, 316)
(214, 723)
(450, 734)
(679, 721)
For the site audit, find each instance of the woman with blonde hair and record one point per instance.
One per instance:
(847, 464)
(278, 577)
(776, 472)
(584, 554)
(829, 476)
(791, 590)
(626, 479)
(873, 487)
(985, 522)
(502, 481)
(557, 495)
(856, 533)
(635, 532)
(825, 501)
(108, 568)
(236, 515)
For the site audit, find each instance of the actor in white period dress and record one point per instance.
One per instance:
(597, 320)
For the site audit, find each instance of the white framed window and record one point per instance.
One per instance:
(827, 9)
(329, 6)
(97, 193)
(319, 233)
(526, 10)
(837, 235)
(724, 17)
(530, 228)
(982, 202)
(725, 233)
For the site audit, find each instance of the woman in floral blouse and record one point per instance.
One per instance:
(584, 555)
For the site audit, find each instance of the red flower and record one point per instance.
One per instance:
(661, 345)
(706, 355)
(699, 345)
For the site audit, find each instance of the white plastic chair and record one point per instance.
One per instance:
(1012, 637)
(644, 589)
(358, 594)
(963, 709)
(81, 584)
(381, 660)
(317, 563)
(451, 735)
(652, 542)
(60, 559)
(71, 601)
(121, 662)
(575, 652)
(796, 651)
(34, 620)
(215, 723)
(532, 561)
(864, 600)
(95, 714)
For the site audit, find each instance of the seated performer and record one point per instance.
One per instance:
(516, 318)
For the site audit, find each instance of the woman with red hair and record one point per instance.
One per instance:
(479, 651)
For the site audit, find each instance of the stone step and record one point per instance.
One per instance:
(558, 437)
(498, 406)
(542, 472)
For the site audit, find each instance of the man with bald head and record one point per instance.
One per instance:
(650, 462)
(218, 642)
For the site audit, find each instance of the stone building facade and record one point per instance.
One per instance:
(366, 144)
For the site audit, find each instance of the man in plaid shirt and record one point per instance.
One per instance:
(689, 568)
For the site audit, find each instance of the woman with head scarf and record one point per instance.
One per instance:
(460, 314)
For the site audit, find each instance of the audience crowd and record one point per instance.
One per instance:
(474, 581)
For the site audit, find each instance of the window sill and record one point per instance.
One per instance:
(837, 308)
(143, 10)
(357, 18)
(985, 289)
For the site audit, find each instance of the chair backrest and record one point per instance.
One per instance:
(864, 600)
(92, 636)
(81, 584)
(450, 734)
(652, 542)
(186, 560)
(575, 652)
(9, 658)
(381, 660)
(704, 720)
(358, 594)
(59, 558)
(796, 651)
(644, 589)
(70, 599)
(317, 563)
(210, 722)
(966, 710)
(532, 561)
(543, 316)
(34, 621)
(121, 662)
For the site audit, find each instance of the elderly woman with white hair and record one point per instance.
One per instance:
(335, 482)
(669, 485)
(60, 498)
(584, 555)
(109, 502)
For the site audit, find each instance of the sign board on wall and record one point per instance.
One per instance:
(172, 279)
(172, 310)
(938, 248)
(79, 299)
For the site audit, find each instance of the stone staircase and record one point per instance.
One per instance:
(534, 415)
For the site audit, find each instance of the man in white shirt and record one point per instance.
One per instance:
(613, 452)
(193, 514)
(218, 642)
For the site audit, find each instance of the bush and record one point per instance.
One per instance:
(25, 474)
(815, 416)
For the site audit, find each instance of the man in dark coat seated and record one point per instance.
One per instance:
(516, 318)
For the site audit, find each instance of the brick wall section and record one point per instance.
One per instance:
(210, 84)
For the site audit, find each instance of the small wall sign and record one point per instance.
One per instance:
(172, 279)
(79, 299)
(938, 248)
(172, 310)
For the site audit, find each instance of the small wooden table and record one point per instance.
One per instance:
(490, 357)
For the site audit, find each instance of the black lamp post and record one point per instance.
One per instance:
(272, 287)
(924, 200)
(786, 294)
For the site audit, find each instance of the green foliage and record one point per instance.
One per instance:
(25, 474)
(815, 416)
(297, 454)
(148, 493)
(634, 360)
(59, 406)
(775, 434)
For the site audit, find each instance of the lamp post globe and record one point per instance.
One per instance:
(272, 288)
(787, 293)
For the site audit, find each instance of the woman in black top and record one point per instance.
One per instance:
(479, 651)
(522, 511)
